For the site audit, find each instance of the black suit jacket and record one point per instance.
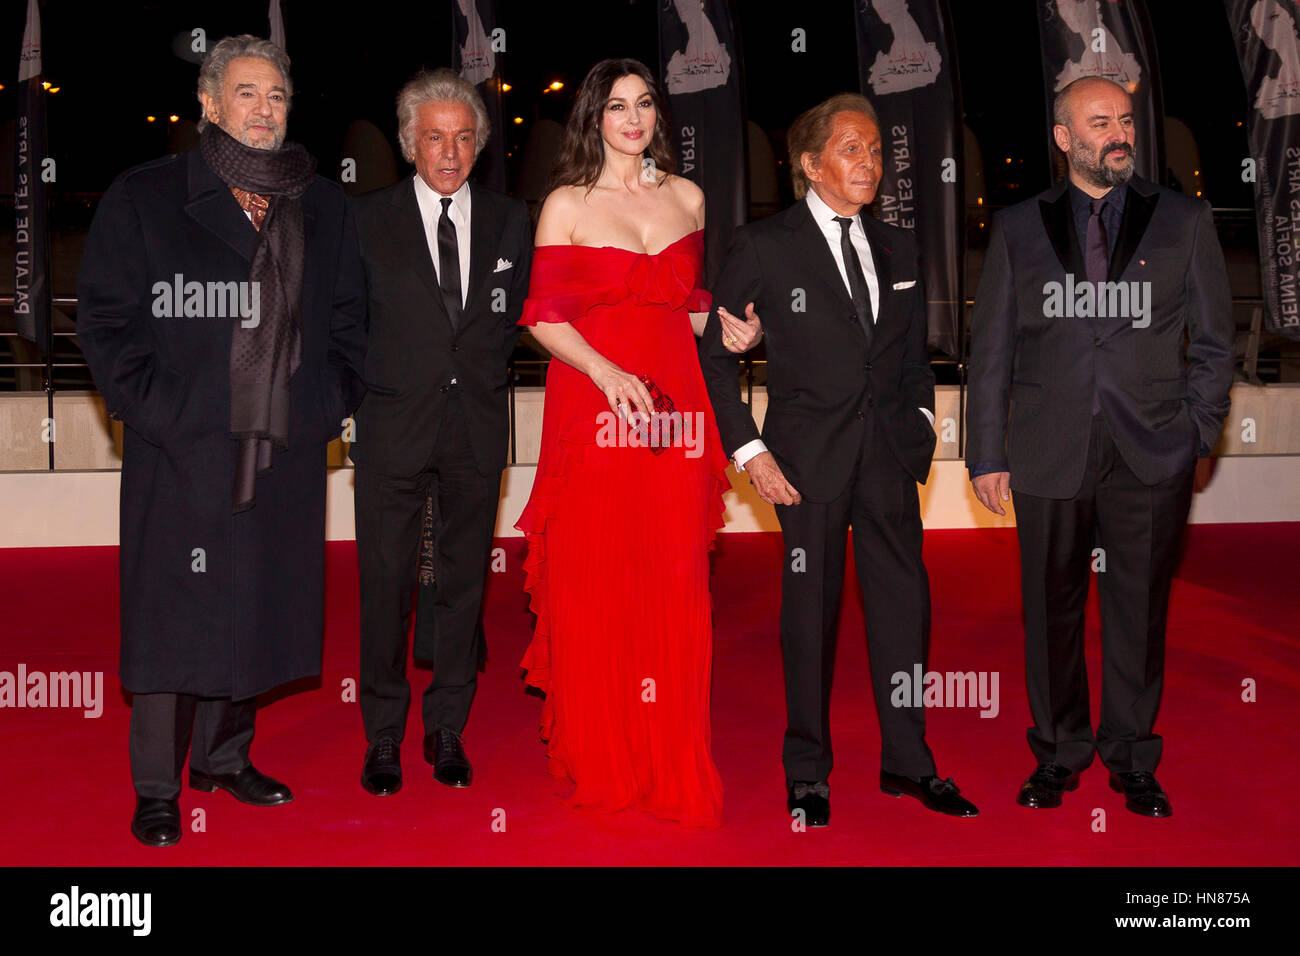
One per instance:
(823, 382)
(1162, 407)
(414, 351)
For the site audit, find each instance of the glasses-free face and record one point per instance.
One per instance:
(254, 105)
(443, 150)
(1099, 138)
(846, 173)
(627, 122)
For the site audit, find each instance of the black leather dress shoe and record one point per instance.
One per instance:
(156, 822)
(382, 772)
(1142, 794)
(813, 798)
(938, 795)
(443, 748)
(249, 785)
(1044, 787)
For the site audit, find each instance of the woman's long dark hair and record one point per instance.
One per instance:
(582, 152)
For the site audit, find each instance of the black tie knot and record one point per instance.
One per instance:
(446, 205)
(845, 223)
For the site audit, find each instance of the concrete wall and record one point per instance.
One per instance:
(77, 504)
(86, 439)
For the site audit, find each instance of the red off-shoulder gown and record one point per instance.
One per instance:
(618, 541)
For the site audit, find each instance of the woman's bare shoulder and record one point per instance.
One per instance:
(683, 185)
(689, 195)
(561, 212)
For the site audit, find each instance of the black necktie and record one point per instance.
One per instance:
(1097, 261)
(449, 263)
(1097, 253)
(858, 287)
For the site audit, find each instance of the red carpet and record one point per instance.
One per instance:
(1230, 767)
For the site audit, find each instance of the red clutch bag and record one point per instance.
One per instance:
(666, 427)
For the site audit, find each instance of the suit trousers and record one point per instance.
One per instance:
(161, 729)
(389, 518)
(1138, 529)
(882, 506)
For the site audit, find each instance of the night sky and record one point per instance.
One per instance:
(114, 64)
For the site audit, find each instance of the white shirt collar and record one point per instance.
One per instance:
(825, 216)
(431, 201)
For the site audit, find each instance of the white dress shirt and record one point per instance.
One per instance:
(825, 218)
(430, 203)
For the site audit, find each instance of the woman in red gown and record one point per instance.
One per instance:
(618, 533)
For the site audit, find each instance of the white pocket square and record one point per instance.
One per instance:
(503, 265)
(905, 285)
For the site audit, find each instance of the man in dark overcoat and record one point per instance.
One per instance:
(221, 309)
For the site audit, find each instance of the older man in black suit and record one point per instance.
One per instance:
(221, 311)
(447, 265)
(849, 433)
(1104, 320)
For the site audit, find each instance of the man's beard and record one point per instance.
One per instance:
(246, 137)
(1095, 171)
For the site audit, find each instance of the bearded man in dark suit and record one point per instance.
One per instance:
(1103, 322)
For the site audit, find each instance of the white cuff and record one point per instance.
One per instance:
(747, 451)
(928, 414)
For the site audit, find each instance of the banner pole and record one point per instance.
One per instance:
(49, 376)
(959, 139)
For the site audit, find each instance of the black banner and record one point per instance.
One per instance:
(1111, 39)
(31, 245)
(907, 68)
(701, 74)
(476, 49)
(1269, 50)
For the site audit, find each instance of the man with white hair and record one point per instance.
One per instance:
(447, 265)
(221, 311)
